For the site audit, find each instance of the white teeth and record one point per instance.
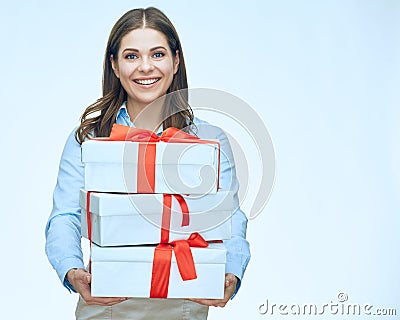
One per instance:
(146, 81)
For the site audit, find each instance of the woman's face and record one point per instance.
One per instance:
(145, 66)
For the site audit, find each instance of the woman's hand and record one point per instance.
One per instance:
(80, 279)
(230, 287)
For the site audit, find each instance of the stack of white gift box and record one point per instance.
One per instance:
(155, 216)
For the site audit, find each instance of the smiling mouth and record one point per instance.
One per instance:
(146, 82)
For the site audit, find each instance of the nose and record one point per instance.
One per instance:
(146, 65)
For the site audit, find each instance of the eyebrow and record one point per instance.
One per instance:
(136, 50)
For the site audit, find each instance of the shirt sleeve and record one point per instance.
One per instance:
(238, 249)
(63, 229)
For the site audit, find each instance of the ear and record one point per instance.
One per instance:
(114, 65)
(176, 62)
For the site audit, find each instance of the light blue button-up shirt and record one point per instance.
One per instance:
(63, 229)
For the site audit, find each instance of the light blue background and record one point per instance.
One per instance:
(324, 76)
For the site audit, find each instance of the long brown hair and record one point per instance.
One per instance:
(176, 113)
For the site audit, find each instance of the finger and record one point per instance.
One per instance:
(104, 301)
(89, 299)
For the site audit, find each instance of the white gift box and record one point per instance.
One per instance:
(180, 168)
(127, 271)
(132, 219)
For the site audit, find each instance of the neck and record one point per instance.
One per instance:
(146, 116)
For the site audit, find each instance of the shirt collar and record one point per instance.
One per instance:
(124, 119)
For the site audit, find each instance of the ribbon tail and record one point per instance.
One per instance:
(184, 260)
(161, 271)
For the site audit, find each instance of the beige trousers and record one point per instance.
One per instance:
(144, 309)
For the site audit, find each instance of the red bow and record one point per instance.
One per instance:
(125, 133)
(184, 259)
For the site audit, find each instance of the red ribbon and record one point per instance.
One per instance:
(147, 150)
(89, 225)
(166, 215)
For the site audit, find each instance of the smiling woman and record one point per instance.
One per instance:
(146, 66)
(142, 65)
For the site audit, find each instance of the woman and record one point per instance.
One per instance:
(143, 62)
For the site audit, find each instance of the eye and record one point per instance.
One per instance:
(131, 56)
(158, 55)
